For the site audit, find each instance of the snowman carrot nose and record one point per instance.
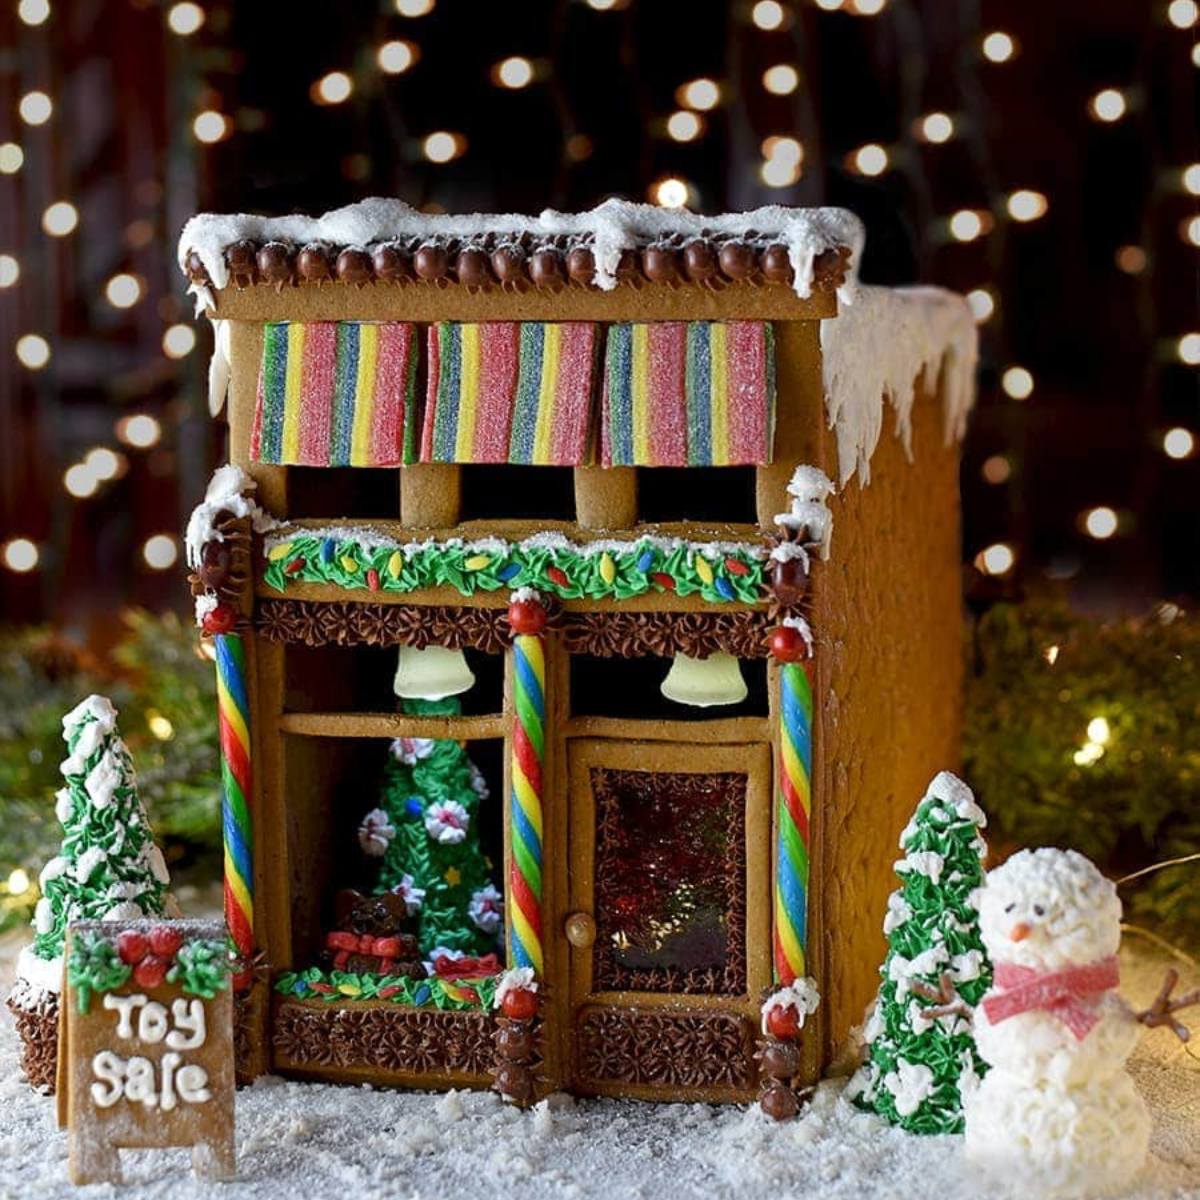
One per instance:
(1020, 931)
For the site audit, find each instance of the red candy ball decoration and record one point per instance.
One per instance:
(526, 616)
(786, 644)
(783, 1023)
(219, 620)
(519, 1004)
(132, 946)
(150, 972)
(165, 941)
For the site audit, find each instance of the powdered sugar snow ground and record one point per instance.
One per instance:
(304, 1140)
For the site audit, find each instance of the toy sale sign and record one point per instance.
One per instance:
(146, 1044)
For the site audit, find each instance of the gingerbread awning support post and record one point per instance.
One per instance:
(783, 1015)
(517, 995)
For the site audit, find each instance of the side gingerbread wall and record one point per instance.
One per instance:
(889, 627)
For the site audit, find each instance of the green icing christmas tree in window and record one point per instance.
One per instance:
(921, 1055)
(426, 831)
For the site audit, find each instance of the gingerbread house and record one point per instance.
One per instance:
(629, 471)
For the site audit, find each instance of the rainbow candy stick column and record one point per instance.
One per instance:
(525, 803)
(233, 717)
(793, 810)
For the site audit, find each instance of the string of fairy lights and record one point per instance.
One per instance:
(782, 163)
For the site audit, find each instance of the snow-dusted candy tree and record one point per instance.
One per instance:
(108, 867)
(921, 1057)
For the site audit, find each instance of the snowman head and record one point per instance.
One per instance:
(1049, 909)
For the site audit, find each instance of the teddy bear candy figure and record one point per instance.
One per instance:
(1058, 1114)
(369, 936)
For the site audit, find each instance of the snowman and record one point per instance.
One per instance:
(1058, 1113)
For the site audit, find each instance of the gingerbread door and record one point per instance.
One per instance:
(668, 919)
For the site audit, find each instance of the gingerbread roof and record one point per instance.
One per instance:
(616, 244)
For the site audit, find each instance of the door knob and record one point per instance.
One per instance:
(581, 930)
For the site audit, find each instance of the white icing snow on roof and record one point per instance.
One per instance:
(878, 348)
(609, 229)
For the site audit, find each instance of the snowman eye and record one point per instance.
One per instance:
(1038, 910)
(1009, 907)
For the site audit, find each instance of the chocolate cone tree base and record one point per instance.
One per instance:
(37, 1027)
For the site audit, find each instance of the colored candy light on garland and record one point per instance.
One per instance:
(528, 619)
(718, 572)
(504, 391)
(233, 718)
(678, 394)
(336, 394)
(793, 813)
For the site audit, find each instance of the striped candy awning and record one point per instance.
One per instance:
(680, 394)
(336, 394)
(509, 392)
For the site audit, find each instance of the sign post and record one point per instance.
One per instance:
(146, 1045)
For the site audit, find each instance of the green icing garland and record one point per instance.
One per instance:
(201, 967)
(558, 568)
(434, 992)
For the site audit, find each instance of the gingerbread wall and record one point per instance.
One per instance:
(889, 629)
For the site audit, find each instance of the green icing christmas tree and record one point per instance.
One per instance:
(108, 867)
(427, 832)
(921, 1055)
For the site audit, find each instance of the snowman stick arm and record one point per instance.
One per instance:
(946, 998)
(1163, 1008)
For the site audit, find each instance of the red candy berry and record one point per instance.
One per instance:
(558, 575)
(519, 1003)
(786, 644)
(219, 620)
(132, 946)
(373, 579)
(165, 941)
(783, 1023)
(150, 972)
(526, 616)
(664, 580)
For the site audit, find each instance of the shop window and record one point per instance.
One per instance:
(706, 494)
(332, 784)
(631, 688)
(335, 492)
(360, 679)
(495, 491)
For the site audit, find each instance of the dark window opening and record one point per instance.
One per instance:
(631, 688)
(722, 494)
(336, 492)
(500, 490)
(360, 679)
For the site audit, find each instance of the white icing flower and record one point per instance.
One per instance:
(414, 897)
(205, 605)
(479, 785)
(525, 593)
(64, 804)
(966, 966)
(411, 750)
(486, 908)
(375, 833)
(98, 707)
(43, 916)
(909, 1084)
(447, 822)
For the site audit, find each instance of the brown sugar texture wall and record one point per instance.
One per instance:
(889, 691)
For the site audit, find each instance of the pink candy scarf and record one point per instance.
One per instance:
(1064, 993)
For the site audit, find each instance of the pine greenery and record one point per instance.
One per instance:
(451, 873)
